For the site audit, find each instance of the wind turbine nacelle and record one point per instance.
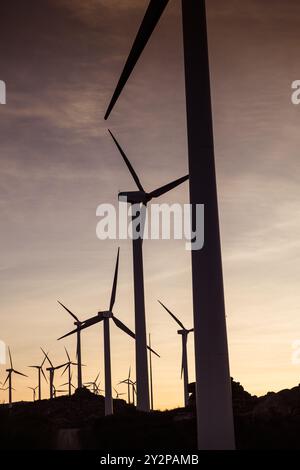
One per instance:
(133, 197)
(106, 314)
(182, 332)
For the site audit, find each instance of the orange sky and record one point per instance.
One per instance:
(60, 60)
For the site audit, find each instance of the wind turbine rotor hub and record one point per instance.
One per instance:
(182, 332)
(106, 314)
(134, 197)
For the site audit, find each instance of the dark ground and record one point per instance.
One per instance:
(268, 422)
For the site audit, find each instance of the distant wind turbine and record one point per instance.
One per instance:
(68, 368)
(184, 332)
(78, 324)
(118, 394)
(133, 386)
(34, 391)
(40, 373)
(213, 383)
(128, 382)
(142, 198)
(106, 316)
(94, 385)
(67, 384)
(8, 379)
(51, 371)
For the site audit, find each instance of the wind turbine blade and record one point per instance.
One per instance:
(123, 327)
(128, 164)
(43, 362)
(10, 359)
(86, 324)
(60, 366)
(69, 311)
(97, 378)
(19, 373)
(65, 369)
(172, 315)
(151, 18)
(46, 355)
(115, 282)
(70, 333)
(67, 354)
(185, 338)
(167, 187)
(6, 379)
(129, 372)
(191, 330)
(44, 375)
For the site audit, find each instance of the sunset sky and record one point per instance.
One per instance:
(60, 60)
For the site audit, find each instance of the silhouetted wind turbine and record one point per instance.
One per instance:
(40, 372)
(68, 368)
(184, 332)
(213, 384)
(118, 394)
(94, 385)
(78, 324)
(105, 316)
(69, 383)
(52, 370)
(128, 383)
(8, 379)
(133, 384)
(141, 197)
(34, 391)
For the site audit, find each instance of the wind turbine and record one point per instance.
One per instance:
(213, 384)
(34, 391)
(141, 197)
(40, 372)
(8, 379)
(128, 382)
(95, 386)
(184, 332)
(68, 368)
(51, 371)
(133, 386)
(106, 316)
(69, 384)
(118, 394)
(78, 324)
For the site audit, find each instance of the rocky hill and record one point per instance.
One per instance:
(268, 422)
